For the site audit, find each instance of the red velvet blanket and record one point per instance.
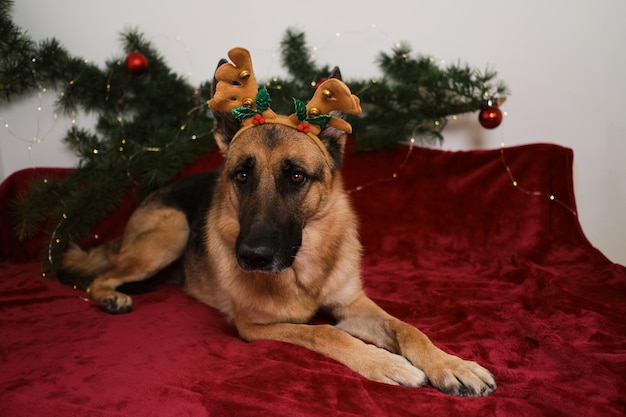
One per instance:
(482, 250)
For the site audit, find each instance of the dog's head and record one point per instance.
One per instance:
(279, 172)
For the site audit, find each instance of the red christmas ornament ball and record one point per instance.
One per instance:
(136, 63)
(490, 117)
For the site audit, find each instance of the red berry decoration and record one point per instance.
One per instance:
(136, 63)
(317, 84)
(304, 127)
(490, 117)
(258, 119)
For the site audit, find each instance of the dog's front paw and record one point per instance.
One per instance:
(460, 377)
(116, 303)
(389, 368)
(110, 301)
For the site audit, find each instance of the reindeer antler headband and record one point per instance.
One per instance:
(237, 91)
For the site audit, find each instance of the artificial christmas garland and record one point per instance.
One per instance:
(143, 137)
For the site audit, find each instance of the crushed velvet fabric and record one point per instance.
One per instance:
(493, 272)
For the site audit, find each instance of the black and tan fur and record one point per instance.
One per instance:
(271, 239)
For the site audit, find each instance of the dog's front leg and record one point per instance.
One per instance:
(366, 320)
(368, 360)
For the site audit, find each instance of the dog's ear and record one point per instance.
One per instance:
(225, 125)
(334, 139)
(335, 73)
(335, 142)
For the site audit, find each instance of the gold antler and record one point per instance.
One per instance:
(236, 84)
(331, 95)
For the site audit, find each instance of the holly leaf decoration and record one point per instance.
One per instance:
(242, 113)
(262, 100)
(321, 120)
(300, 109)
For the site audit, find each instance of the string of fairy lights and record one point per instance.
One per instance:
(541, 194)
(331, 42)
(43, 113)
(513, 179)
(48, 116)
(43, 125)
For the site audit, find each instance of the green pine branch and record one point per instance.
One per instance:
(412, 99)
(304, 73)
(149, 127)
(415, 97)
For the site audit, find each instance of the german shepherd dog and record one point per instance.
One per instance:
(270, 239)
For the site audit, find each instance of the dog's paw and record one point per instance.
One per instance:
(460, 377)
(389, 368)
(116, 303)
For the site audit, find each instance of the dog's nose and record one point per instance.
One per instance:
(257, 257)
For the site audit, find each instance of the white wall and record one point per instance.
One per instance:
(564, 60)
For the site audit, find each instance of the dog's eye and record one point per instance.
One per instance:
(298, 178)
(241, 176)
